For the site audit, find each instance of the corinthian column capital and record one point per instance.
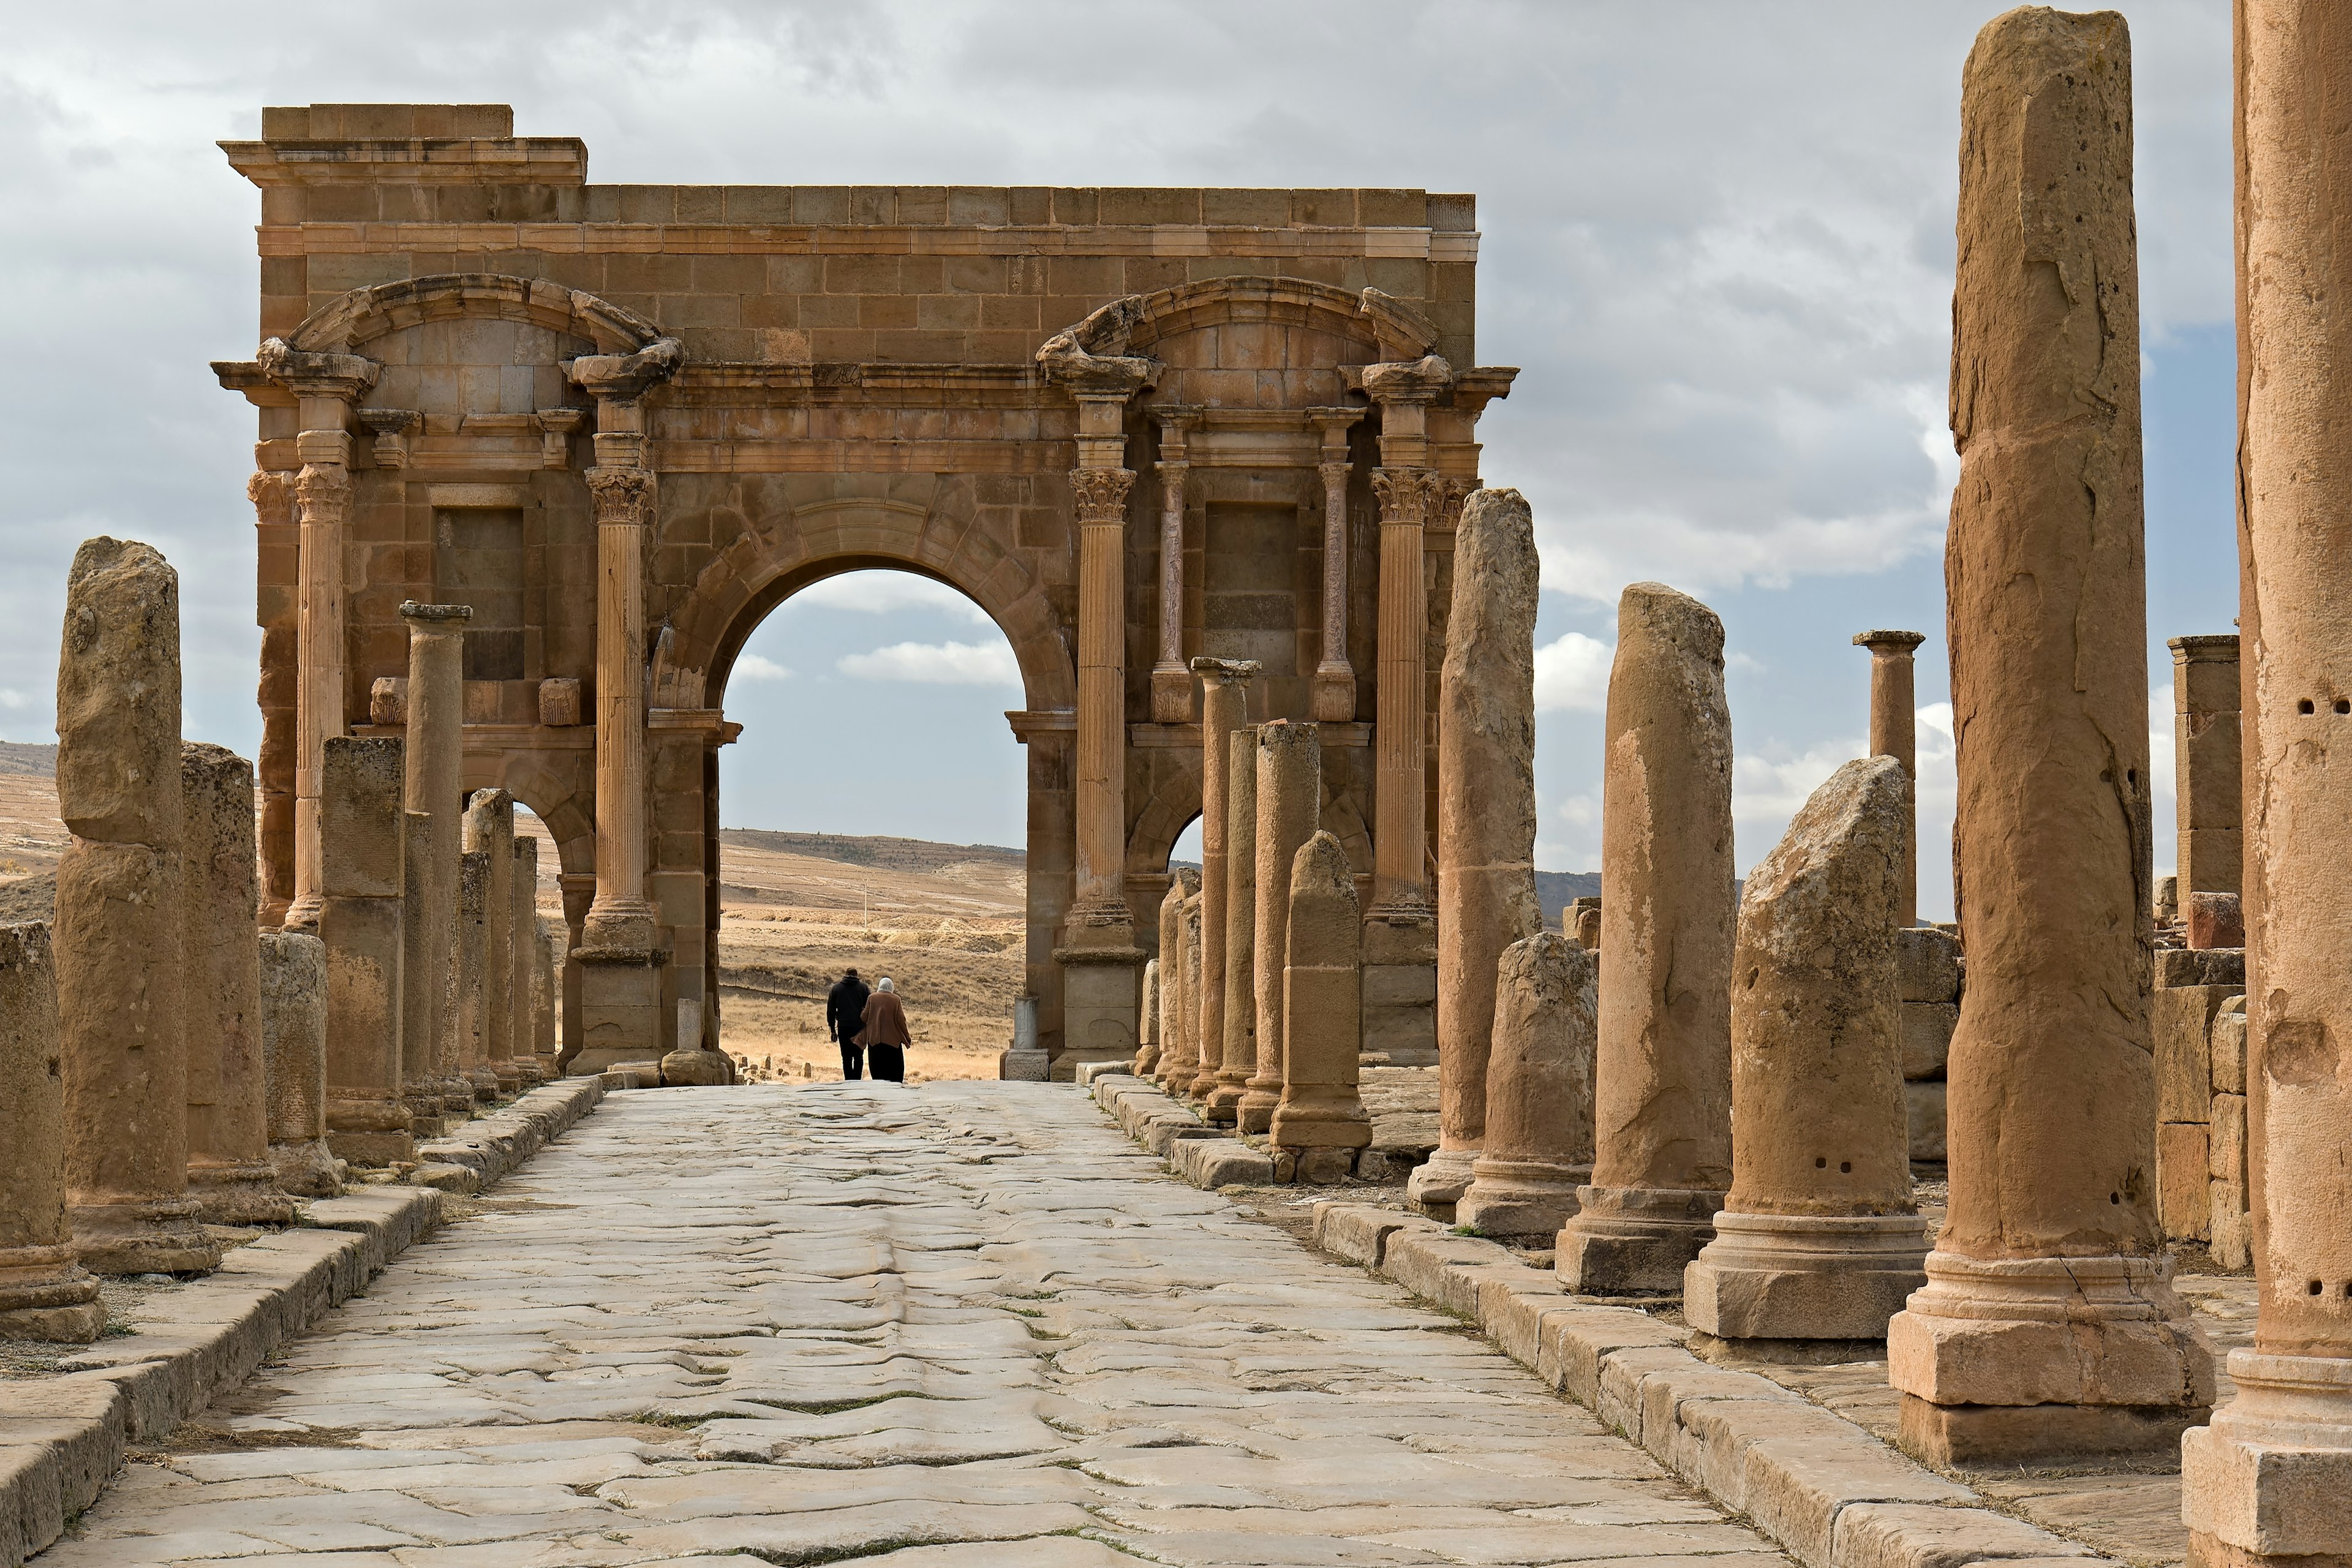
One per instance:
(321, 491)
(1100, 494)
(271, 491)
(1405, 494)
(622, 495)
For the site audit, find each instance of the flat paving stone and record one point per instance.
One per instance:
(963, 1323)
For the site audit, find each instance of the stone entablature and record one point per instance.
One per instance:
(837, 378)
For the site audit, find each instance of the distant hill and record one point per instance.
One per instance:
(883, 853)
(1555, 888)
(26, 760)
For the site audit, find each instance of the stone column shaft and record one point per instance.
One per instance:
(2271, 1479)
(433, 788)
(1172, 687)
(1320, 1114)
(1400, 784)
(2047, 1327)
(473, 937)
(44, 1294)
(1894, 732)
(364, 833)
(1102, 686)
(279, 557)
(1177, 1048)
(2208, 743)
(1240, 1044)
(1146, 1055)
(489, 827)
(1537, 1151)
(1289, 807)
(523, 938)
(294, 1055)
(1224, 713)
(1335, 673)
(620, 917)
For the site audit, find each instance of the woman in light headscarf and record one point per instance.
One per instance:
(885, 1035)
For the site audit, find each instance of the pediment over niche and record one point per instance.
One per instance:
(349, 321)
(1138, 323)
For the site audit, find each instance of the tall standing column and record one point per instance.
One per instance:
(1486, 815)
(44, 1294)
(117, 935)
(278, 560)
(522, 930)
(1171, 686)
(1335, 674)
(433, 788)
(363, 831)
(621, 964)
(1661, 1088)
(2208, 743)
(294, 1057)
(2271, 1479)
(327, 386)
(1225, 711)
(1178, 1048)
(489, 828)
(228, 1115)
(1240, 1047)
(1289, 807)
(2047, 1326)
(473, 940)
(1894, 732)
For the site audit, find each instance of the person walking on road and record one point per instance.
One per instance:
(845, 1015)
(885, 1035)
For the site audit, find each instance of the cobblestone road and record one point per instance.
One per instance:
(964, 1324)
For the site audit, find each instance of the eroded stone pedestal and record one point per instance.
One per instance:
(2269, 1482)
(294, 1057)
(45, 1293)
(1320, 1109)
(1537, 1148)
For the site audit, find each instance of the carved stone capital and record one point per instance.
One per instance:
(1446, 494)
(1222, 672)
(310, 375)
(1407, 380)
(1100, 494)
(556, 428)
(1405, 494)
(271, 491)
(322, 492)
(622, 495)
(392, 429)
(624, 378)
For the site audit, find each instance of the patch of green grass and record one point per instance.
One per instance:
(1471, 1230)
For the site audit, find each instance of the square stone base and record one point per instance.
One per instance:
(1024, 1067)
(1634, 1240)
(1099, 1004)
(1963, 1435)
(1805, 1277)
(621, 1013)
(371, 1149)
(2270, 1481)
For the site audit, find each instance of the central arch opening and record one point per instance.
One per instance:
(872, 813)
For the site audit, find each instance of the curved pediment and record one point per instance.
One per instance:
(350, 321)
(1137, 323)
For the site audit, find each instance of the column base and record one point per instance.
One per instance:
(427, 1116)
(2038, 1358)
(1440, 1181)
(307, 1170)
(141, 1235)
(457, 1092)
(697, 1068)
(45, 1295)
(245, 1193)
(1634, 1240)
(369, 1132)
(484, 1082)
(1171, 695)
(1101, 994)
(1805, 1277)
(621, 1002)
(1335, 694)
(1223, 1104)
(1520, 1197)
(1016, 1066)
(2270, 1481)
(1253, 1111)
(1319, 1119)
(509, 1076)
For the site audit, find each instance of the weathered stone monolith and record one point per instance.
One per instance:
(2208, 767)
(420, 1087)
(1147, 1052)
(2270, 1481)
(44, 1294)
(1662, 1089)
(1583, 920)
(473, 966)
(116, 941)
(294, 1055)
(228, 1113)
(1241, 927)
(1894, 732)
(523, 926)
(490, 826)
(1176, 1050)
(2047, 1327)
(1217, 1082)
(1289, 803)
(1819, 1237)
(1486, 815)
(1321, 1118)
(1177, 1076)
(1538, 1149)
(547, 958)
(362, 838)
(434, 789)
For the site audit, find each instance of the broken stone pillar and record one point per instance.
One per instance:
(489, 827)
(547, 955)
(1928, 959)
(1178, 1076)
(1147, 1054)
(2047, 1327)
(1225, 710)
(1537, 1148)
(2206, 745)
(473, 974)
(1321, 1116)
(2270, 1481)
(1486, 815)
(1175, 1025)
(116, 941)
(1289, 803)
(45, 1293)
(294, 1054)
(1240, 1050)
(1581, 919)
(229, 1116)
(363, 837)
(1025, 1061)
(434, 789)
(1819, 1237)
(419, 988)
(1662, 1089)
(1894, 732)
(523, 930)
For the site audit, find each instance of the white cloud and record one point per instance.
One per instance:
(937, 664)
(885, 593)
(1572, 674)
(2165, 806)
(14, 700)
(1770, 790)
(751, 666)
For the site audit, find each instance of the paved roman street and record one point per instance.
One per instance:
(960, 1324)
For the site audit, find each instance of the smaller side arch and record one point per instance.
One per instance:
(343, 324)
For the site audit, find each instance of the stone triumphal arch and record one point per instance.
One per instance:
(623, 422)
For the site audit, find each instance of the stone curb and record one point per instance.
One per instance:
(1830, 1493)
(62, 1438)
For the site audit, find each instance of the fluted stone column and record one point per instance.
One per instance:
(45, 1293)
(489, 827)
(1335, 672)
(522, 932)
(327, 385)
(1662, 1132)
(473, 974)
(1178, 1051)
(2047, 1327)
(121, 986)
(2270, 1481)
(1486, 815)
(277, 550)
(1172, 684)
(1819, 1237)
(1239, 1047)
(362, 834)
(621, 964)
(1289, 805)
(294, 1057)
(1894, 732)
(1224, 711)
(433, 788)
(229, 1116)
(1321, 1116)
(1538, 1149)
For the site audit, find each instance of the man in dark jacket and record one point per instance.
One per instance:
(845, 1015)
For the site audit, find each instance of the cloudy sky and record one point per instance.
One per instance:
(1718, 238)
